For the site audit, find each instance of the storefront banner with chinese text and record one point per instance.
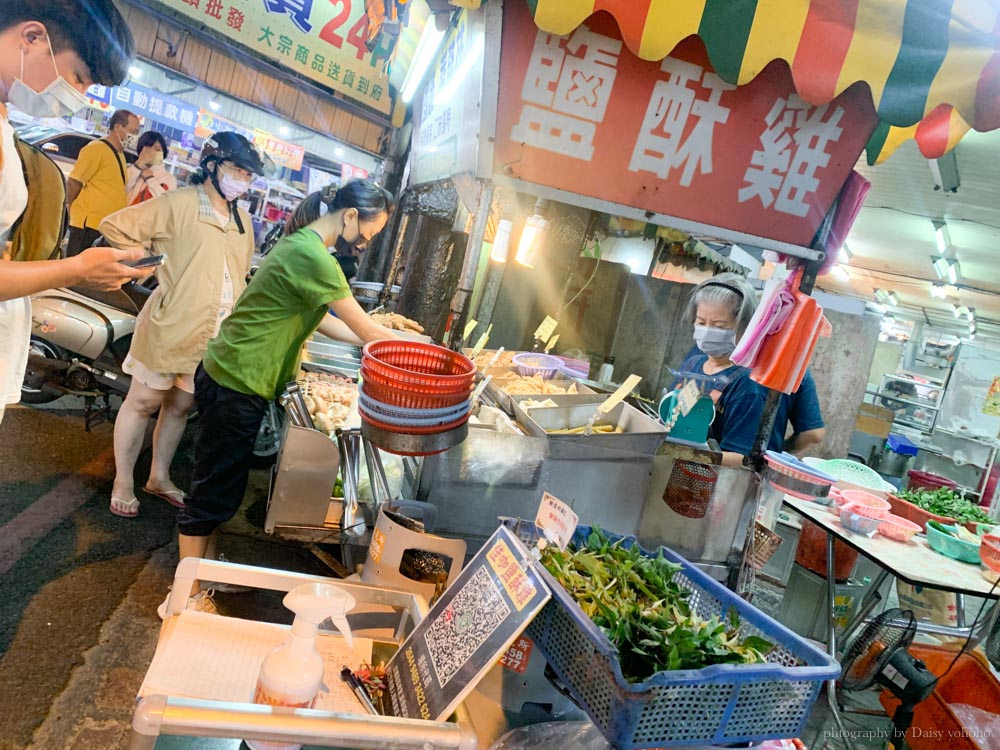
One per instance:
(282, 154)
(581, 113)
(148, 103)
(447, 117)
(323, 40)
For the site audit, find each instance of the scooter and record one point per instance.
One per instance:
(79, 340)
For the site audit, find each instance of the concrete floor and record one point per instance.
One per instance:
(78, 625)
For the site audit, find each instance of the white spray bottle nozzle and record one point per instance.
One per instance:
(314, 602)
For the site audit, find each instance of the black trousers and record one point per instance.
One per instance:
(223, 451)
(80, 238)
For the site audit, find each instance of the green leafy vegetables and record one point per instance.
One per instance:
(645, 614)
(944, 502)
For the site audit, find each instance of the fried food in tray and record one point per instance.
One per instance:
(483, 359)
(518, 385)
(397, 322)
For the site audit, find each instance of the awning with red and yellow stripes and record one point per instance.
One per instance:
(933, 66)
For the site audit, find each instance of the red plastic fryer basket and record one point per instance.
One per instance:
(413, 384)
(410, 399)
(434, 430)
(418, 363)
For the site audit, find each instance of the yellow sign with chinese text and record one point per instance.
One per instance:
(282, 154)
(323, 40)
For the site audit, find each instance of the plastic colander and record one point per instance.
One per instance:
(856, 473)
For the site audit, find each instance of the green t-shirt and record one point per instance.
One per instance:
(257, 349)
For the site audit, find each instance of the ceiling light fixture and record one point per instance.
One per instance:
(956, 310)
(938, 290)
(940, 264)
(536, 228)
(840, 271)
(880, 309)
(971, 314)
(427, 48)
(893, 298)
(953, 271)
(972, 328)
(942, 236)
(501, 241)
(882, 296)
(135, 71)
(214, 105)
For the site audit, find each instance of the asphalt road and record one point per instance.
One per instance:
(80, 586)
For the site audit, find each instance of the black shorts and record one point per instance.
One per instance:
(229, 424)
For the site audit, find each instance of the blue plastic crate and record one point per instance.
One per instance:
(717, 705)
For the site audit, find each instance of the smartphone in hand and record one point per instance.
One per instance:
(151, 260)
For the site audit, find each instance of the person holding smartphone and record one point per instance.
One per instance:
(53, 50)
(148, 178)
(207, 241)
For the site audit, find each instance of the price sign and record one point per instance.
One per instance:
(480, 345)
(552, 342)
(517, 656)
(688, 397)
(618, 396)
(546, 329)
(469, 328)
(556, 520)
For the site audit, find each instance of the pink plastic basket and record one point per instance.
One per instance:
(897, 528)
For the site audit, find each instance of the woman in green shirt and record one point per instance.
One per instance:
(257, 349)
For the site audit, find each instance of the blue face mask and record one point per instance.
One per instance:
(715, 342)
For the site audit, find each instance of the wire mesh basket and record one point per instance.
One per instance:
(763, 546)
(690, 488)
(718, 705)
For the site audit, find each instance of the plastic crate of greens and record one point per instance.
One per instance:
(717, 704)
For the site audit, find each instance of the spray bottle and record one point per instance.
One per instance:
(292, 674)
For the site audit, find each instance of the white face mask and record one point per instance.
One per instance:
(230, 187)
(59, 99)
(131, 139)
(157, 159)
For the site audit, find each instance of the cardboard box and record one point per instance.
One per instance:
(874, 420)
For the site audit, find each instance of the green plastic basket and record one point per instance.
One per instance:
(944, 543)
(855, 473)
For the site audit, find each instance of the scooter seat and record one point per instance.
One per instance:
(130, 298)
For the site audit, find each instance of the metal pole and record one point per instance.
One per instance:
(397, 256)
(831, 646)
(473, 251)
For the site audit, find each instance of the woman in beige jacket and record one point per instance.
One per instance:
(208, 243)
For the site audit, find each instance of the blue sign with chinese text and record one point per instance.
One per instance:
(149, 103)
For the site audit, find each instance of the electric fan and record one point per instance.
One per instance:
(879, 655)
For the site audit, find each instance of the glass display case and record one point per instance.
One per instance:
(915, 401)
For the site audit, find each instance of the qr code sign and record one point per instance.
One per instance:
(472, 617)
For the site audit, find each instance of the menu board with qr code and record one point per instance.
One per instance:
(467, 631)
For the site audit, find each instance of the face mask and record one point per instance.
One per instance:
(131, 140)
(230, 187)
(59, 99)
(715, 342)
(343, 247)
(157, 159)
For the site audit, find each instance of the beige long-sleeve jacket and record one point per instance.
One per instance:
(177, 322)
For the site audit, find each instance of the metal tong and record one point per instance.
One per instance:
(352, 522)
(298, 412)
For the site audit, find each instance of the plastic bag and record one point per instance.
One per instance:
(579, 735)
(978, 725)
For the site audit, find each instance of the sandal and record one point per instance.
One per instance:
(124, 508)
(174, 497)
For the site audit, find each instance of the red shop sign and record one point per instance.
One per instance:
(581, 113)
